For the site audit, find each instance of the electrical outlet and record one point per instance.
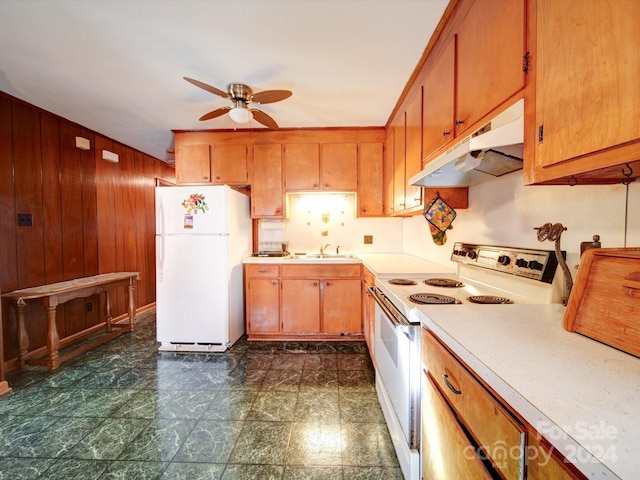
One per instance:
(25, 220)
(368, 239)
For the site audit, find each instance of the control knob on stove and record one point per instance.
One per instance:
(535, 265)
(504, 260)
(521, 262)
(472, 255)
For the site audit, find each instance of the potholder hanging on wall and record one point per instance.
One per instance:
(440, 216)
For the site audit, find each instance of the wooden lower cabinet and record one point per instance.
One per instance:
(303, 301)
(469, 433)
(368, 311)
(546, 463)
(263, 296)
(300, 311)
(447, 452)
(490, 426)
(341, 307)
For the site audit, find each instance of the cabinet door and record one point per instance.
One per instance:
(341, 306)
(263, 305)
(229, 164)
(491, 46)
(389, 170)
(368, 312)
(302, 166)
(446, 451)
(300, 310)
(413, 154)
(399, 164)
(267, 191)
(370, 180)
(544, 464)
(438, 92)
(587, 86)
(193, 164)
(339, 167)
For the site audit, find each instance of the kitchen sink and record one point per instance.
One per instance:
(330, 256)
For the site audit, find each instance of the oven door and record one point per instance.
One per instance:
(397, 355)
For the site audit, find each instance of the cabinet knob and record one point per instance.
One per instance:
(217, 177)
(459, 122)
(274, 283)
(328, 284)
(315, 284)
(446, 132)
(315, 185)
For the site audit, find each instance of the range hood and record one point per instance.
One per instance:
(491, 151)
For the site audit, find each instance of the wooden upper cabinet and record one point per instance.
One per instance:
(229, 164)
(339, 167)
(302, 166)
(399, 145)
(413, 153)
(490, 50)
(193, 164)
(438, 95)
(267, 190)
(389, 170)
(587, 92)
(370, 180)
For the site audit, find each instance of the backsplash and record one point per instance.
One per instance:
(505, 212)
(316, 220)
(501, 212)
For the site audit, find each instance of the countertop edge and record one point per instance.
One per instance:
(590, 466)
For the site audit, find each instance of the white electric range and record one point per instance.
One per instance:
(485, 275)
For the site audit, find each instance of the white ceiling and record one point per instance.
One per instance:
(116, 67)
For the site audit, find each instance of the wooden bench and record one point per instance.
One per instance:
(54, 294)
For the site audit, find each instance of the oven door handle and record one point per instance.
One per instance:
(398, 320)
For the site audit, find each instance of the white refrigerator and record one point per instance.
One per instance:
(202, 235)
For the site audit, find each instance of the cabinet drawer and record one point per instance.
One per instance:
(322, 271)
(368, 277)
(262, 270)
(489, 422)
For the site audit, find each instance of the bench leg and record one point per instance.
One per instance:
(23, 337)
(53, 340)
(132, 305)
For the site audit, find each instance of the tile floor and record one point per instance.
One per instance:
(259, 411)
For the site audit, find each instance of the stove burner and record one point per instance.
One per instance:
(432, 299)
(401, 281)
(489, 299)
(444, 282)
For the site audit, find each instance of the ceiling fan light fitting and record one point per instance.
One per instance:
(240, 113)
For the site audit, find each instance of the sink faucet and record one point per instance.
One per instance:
(323, 247)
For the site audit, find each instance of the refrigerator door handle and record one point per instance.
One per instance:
(160, 220)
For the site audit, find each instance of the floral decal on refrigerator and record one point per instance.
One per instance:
(194, 204)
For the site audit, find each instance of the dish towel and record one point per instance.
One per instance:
(440, 216)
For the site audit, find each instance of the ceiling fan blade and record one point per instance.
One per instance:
(207, 87)
(263, 118)
(270, 96)
(216, 113)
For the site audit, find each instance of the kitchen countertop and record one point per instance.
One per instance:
(380, 264)
(583, 396)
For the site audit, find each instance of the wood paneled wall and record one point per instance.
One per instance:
(89, 215)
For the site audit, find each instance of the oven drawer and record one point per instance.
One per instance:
(488, 421)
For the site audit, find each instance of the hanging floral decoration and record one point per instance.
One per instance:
(195, 203)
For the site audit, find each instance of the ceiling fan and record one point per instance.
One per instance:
(241, 95)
